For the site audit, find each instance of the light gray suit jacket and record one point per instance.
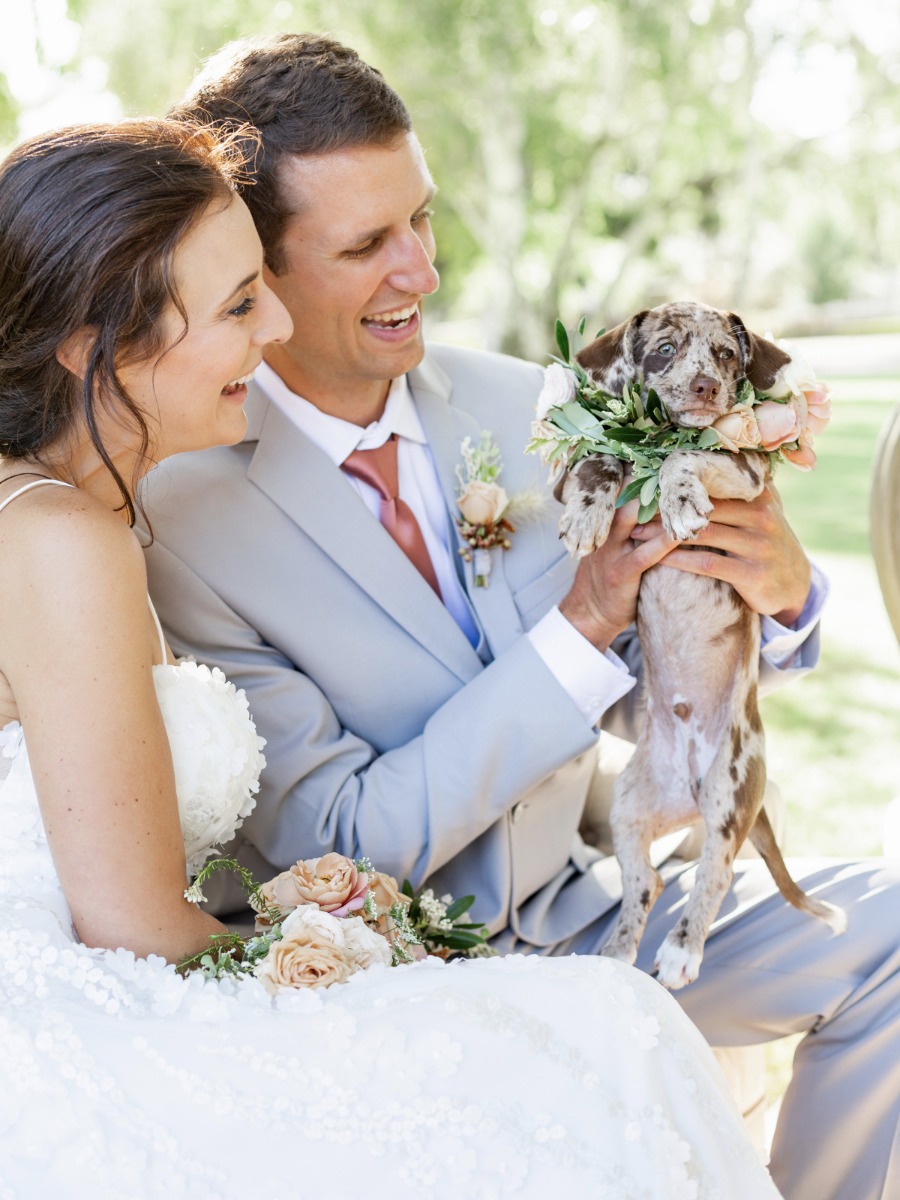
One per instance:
(387, 733)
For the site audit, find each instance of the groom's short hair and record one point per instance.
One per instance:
(306, 95)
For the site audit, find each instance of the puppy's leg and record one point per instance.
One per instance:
(688, 478)
(633, 829)
(730, 797)
(589, 492)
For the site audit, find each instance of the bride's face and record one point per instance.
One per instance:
(193, 393)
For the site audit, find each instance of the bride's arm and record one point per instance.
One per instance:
(76, 646)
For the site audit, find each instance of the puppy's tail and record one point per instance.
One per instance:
(763, 839)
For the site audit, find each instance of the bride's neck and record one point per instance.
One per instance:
(80, 463)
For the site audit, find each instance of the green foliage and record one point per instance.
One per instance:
(635, 428)
(592, 157)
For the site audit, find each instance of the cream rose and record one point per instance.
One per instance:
(737, 429)
(482, 503)
(364, 947)
(359, 945)
(778, 423)
(325, 925)
(558, 389)
(304, 960)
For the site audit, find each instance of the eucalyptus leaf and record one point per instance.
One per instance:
(562, 340)
(647, 512)
(458, 907)
(629, 491)
(649, 491)
(708, 439)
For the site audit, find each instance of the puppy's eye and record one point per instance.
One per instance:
(667, 349)
(726, 354)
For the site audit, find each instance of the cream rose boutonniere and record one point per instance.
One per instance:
(483, 505)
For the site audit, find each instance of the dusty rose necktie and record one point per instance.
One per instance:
(378, 468)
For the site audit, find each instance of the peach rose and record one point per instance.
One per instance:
(482, 503)
(737, 429)
(818, 408)
(804, 456)
(333, 882)
(778, 423)
(306, 959)
(386, 891)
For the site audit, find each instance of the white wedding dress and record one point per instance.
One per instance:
(521, 1077)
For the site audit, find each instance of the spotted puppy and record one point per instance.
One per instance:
(700, 753)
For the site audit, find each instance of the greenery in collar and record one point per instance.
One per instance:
(577, 418)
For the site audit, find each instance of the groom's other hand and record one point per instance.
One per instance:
(749, 544)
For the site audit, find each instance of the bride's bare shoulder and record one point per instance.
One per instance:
(55, 537)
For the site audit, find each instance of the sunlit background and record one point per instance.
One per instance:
(595, 158)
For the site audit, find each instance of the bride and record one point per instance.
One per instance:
(132, 312)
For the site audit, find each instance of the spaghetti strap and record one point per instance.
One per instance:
(162, 641)
(28, 486)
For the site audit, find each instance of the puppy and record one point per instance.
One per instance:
(700, 753)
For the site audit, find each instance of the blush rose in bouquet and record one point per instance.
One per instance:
(324, 919)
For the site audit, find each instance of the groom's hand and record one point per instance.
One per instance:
(749, 544)
(603, 599)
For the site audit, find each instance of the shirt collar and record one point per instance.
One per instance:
(336, 437)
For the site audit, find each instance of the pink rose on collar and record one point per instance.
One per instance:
(778, 423)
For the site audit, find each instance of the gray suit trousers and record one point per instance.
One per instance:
(770, 971)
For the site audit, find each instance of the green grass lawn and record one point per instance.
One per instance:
(829, 506)
(833, 738)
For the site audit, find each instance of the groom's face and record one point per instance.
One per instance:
(359, 256)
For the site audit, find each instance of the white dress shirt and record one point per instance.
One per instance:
(593, 680)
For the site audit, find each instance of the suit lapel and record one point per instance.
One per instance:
(446, 426)
(305, 484)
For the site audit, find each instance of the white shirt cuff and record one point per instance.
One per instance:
(781, 644)
(592, 680)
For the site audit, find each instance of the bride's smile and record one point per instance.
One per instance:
(192, 393)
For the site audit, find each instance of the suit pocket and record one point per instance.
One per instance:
(535, 598)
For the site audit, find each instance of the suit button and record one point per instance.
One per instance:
(519, 811)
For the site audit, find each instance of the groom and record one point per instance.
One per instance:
(445, 730)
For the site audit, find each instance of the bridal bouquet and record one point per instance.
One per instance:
(576, 418)
(326, 918)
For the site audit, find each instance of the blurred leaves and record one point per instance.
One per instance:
(599, 156)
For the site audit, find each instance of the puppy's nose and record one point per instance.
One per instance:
(705, 389)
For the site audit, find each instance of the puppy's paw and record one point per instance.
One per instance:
(677, 965)
(584, 526)
(685, 508)
(589, 492)
(621, 945)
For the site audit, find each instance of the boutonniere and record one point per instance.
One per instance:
(575, 418)
(483, 505)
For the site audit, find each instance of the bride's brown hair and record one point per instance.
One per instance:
(90, 219)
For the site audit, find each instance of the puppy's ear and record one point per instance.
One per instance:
(623, 342)
(762, 359)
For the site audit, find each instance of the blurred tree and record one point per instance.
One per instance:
(9, 113)
(592, 156)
